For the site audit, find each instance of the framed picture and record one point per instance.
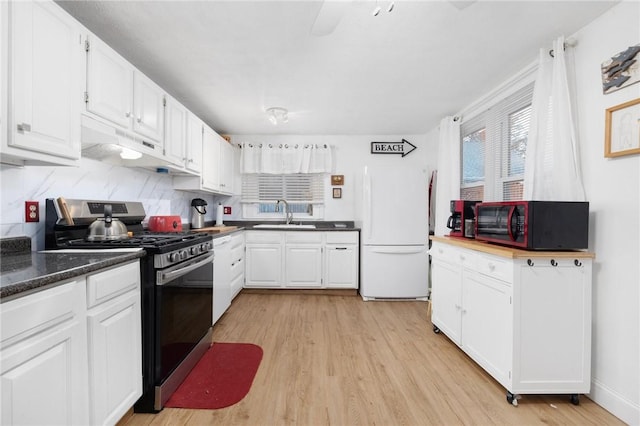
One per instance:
(622, 129)
(337, 192)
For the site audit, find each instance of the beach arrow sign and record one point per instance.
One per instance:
(404, 148)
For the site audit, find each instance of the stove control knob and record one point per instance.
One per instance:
(194, 250)
(204, 247)
(183, 254)
(174, 257)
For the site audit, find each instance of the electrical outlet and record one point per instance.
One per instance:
(31, 211)
(227, 210)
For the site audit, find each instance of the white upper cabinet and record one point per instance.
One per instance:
(148, 103)
(194, 143)
(226, 167)
(119, 93)
(211, 160)
(175, 133)
(44, 54)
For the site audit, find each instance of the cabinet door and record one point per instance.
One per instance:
(194, 143)
(446, 294)
(43, 362)
(226, 167)
(264, 265)
(115, 356)
(303, 265)
(46, 79)
(175, 135)
(148, 102)
(487, 323)
(109, 84)
(552, 324)
(210, 160)
(341, 266)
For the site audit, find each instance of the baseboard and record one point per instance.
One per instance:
(616, 404)
(320, 291)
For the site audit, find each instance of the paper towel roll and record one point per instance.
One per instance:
(219, 215)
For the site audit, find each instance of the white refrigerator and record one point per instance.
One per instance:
(394, 259)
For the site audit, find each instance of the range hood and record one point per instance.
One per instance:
(107, 143)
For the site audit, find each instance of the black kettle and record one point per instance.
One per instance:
(198, 210)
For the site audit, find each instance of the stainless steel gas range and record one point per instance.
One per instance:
(176, 288)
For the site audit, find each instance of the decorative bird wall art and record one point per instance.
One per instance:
(621, 70)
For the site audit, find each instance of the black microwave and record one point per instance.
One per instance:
(534, 225)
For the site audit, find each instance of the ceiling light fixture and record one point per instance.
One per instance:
(277, 115)
(129, 154)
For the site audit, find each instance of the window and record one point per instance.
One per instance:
(303, 192)
(493, 147)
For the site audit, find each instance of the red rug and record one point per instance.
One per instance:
(221, 378)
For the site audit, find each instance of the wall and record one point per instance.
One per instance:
(613, 190)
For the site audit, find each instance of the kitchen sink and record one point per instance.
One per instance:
(284, 226)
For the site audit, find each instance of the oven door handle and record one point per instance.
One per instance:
(165, 277)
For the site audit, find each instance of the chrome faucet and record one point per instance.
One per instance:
(287, 214)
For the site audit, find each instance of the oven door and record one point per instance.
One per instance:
(184, 304)
(503, 223)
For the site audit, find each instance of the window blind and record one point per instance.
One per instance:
(294, 188)
(494, 142)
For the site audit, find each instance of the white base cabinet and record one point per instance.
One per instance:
(525, 317)
(237, 263)
(72, 354)
(302, 259)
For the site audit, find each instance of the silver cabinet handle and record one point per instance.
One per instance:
(139, 119)
(127, 114)
(24, 127)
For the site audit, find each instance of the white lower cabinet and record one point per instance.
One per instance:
(72, 354)
(524, 317)
(264, 259)
(237, 263)
(43, 359)
(115, 342)
(302, 259)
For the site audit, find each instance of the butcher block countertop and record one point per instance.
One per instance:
(510, 252)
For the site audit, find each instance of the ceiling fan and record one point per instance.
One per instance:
(332, 11)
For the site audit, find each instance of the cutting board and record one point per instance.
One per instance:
(216, 229)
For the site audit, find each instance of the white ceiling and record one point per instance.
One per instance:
(396, 73)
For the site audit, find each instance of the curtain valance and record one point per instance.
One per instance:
(285, 158)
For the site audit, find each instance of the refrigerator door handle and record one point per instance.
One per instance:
(367, 204)
(399, 250)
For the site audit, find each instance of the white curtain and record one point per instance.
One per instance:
(552, 166)
(448, 181)
(285, 158)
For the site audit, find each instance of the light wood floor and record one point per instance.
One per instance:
(341, 361)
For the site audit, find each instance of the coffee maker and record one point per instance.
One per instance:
(462, 212)
(198, 210)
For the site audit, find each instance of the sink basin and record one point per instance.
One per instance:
(284, 226)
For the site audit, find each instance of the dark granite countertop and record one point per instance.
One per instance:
(340, 225)
(23, 272)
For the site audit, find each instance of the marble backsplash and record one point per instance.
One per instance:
(92, 180)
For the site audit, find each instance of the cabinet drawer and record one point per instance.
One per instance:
(237, 239)
(451, 254)
(303, 237)
(31, 314)
(237, 253)
(495, 267)
(237, 269)
(270, 237)
(341, 237)
(106, 285)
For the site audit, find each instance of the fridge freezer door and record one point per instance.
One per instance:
(395, 206)
(394, 272)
